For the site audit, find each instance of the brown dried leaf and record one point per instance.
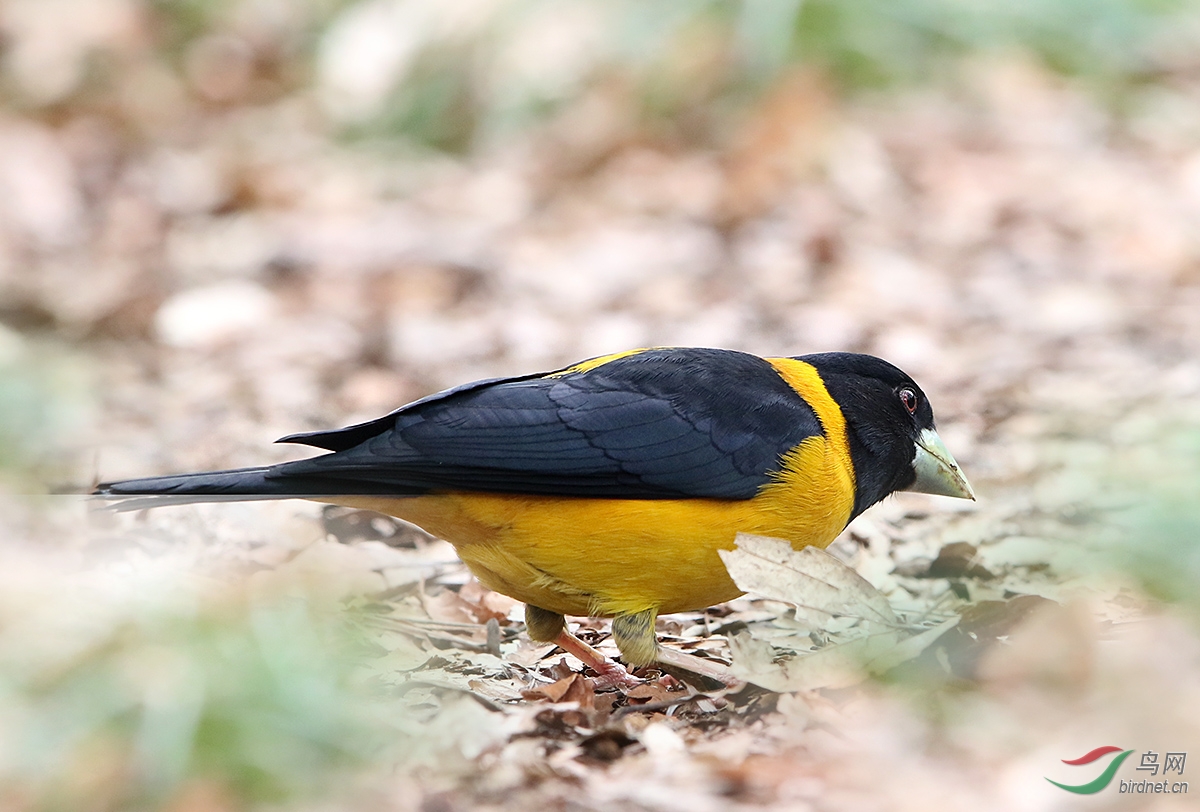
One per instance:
(448, 607)
(959, 560)
(574, 688)
(650, 692)
(484, 605)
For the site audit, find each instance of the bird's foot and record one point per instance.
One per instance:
(609, 674)
(613, 675)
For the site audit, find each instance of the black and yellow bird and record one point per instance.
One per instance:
(607, 488)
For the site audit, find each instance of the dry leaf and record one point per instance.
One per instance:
(836, 665)
(650, 692)
(575, 688)
(820, 586)
(403, 654)
(958, 559)
(448, 607)
(499, 690)
(823, 589)
(485, 604)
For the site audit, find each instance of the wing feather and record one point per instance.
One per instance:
(666, 423)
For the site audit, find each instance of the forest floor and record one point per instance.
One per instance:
(1033, 262)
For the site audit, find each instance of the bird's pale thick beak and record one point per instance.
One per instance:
(937, 472)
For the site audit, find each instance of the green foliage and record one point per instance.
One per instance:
(456, 74)
(256, 701)
(872, 42)
(40, 395)
(1156, 535)
(677, 56)
(437, 106)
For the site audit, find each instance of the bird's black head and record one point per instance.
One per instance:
(889, 427)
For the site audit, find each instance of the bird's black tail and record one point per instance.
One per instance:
(210, 486)
(241, 484)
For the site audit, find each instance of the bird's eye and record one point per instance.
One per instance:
(909, 398)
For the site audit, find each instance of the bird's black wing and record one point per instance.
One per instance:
(663, 423)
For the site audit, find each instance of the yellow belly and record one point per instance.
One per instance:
(605, 557)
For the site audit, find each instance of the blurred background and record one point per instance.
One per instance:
(223, 221)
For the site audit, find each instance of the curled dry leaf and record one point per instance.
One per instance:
(575, 688)
(821, 588)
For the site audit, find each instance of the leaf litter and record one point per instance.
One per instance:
(1028, 256)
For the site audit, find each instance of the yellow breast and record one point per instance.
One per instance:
(613, 556)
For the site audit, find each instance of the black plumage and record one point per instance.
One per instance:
(658, 424)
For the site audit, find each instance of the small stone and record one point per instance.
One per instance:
(209, 315)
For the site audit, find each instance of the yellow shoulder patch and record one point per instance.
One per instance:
(807, 382)
(592, 363)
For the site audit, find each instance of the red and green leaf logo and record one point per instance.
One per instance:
(1101, 781)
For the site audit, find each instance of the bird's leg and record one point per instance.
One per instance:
(634, 635)
(609, 674)
(542, 624)
(551, 627)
